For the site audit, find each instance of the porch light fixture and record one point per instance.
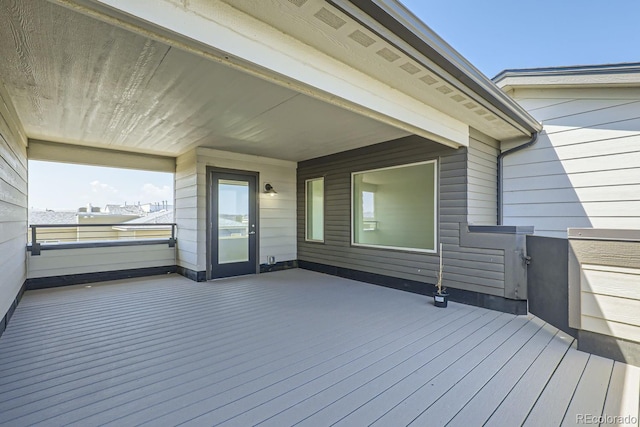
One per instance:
(268, 188)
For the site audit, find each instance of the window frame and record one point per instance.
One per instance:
(435, 209)
(306, 209)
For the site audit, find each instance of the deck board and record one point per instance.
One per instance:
(552, 404)
(623, 395)
(285, 348)
(367, 404)
(591, 391)
(531, 339)
(515, 407)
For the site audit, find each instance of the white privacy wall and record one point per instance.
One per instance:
(13, 204)
(584, 171)
(277, 215)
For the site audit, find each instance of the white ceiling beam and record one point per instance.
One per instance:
(75, 154)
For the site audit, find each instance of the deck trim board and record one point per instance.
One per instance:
(287, 347)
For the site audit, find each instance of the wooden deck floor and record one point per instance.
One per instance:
(291, 348)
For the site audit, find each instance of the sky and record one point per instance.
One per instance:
(61, 186)
(495, 35)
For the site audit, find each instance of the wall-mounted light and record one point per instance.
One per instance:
(268, 188)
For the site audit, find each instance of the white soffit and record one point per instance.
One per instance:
(234, 37)
(369, 47)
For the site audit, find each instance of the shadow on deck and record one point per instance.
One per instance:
(292, 347)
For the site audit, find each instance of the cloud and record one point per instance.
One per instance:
(99, 187)
(154, 193)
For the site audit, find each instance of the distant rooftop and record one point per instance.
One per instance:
(160, 217)
(150, 213)
(592, 76)
(124, 210)
(619, 68)
(52, 217)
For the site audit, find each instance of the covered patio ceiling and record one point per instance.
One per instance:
(74, 79)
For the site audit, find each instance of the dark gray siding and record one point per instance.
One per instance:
(479, 270)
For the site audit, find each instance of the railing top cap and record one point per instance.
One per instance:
(604, 234)
(121, 224)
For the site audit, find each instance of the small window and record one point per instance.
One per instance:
(395, 208)
(314, 196)
(368, 211)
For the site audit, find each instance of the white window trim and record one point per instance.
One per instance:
(435, 209)
(306, 209)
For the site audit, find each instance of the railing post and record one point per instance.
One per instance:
(35, 246)
(172, 240)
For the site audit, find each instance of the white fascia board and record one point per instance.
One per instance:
(559, 80)
(232, 37)
(405, 17)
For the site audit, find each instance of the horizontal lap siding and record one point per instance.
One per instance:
(186, 212)
(609, 287)
(13, 204)
(477, 270)
(482, 162)
(584, 171)
(52, 263)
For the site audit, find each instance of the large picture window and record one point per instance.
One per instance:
(395, 207)
(314, 196)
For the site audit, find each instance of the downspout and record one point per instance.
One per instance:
(532, 141)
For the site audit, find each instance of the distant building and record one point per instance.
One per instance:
(150, 213)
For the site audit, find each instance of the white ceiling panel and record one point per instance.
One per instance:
(77, 80)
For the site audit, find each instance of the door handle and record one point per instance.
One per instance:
(252, 232)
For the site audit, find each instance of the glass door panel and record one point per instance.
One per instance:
(233, 221)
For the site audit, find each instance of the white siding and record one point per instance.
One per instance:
(610, 301)
(51, 263)
(277, 215)
(482, 178)
(584, 171)
(186, 212)
(13, 204)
